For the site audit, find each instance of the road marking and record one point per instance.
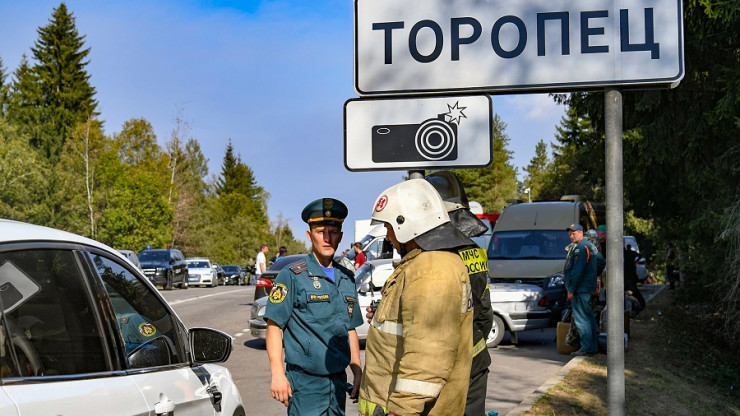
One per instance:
(205, 296)
(238, 334)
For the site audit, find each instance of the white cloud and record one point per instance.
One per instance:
(536, 106)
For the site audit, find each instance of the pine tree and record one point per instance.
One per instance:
(537, 170)
(4, 89)
(56, 90)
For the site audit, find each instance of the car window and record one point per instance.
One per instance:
(151, 255)
(529, 244)
(48, 317)
(199, 264)
(143, 320)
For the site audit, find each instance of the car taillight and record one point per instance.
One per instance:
(264, 283)
(542, 302)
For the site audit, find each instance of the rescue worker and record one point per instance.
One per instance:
(476, 263)
(313, 312)
(419, 347)
(580, 281)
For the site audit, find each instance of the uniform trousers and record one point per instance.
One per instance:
(320, 395)
(583, 316)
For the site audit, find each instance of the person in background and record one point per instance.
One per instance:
(282, 252)
(580, 281)
(359, 255)
(419, 346)
(630, 277)
(260, 264)
(311, 312)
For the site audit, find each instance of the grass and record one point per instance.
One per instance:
(672, 367)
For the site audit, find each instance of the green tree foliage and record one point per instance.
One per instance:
(135, 208)
(681, 148)
(577, 167)
(23, 175)
(79, 185)
(493, 185)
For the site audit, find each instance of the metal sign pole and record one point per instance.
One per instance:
(614, 253)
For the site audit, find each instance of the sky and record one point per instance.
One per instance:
(272, 77)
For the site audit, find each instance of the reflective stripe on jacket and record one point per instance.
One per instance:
(419, 347)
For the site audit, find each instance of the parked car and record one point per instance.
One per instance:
(83, 329)
(132, 257)
(220, 274)
(165, 267)
(516, 307)
(264, 283)
(201, 272)
(234, 274)
(640, 263)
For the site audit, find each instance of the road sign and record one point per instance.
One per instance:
(442, 46)
(418, 133)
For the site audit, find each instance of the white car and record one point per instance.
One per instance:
(201, 272)
(82, 331)
(516, 307)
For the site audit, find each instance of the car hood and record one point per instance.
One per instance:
(524, 269)
(514, 292)
(153, 264)
(200, 269)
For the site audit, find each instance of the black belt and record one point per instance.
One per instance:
(297, 369)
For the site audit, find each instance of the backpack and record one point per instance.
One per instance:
(600, 259)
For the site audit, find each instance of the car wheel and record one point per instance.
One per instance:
(184, 284)
(497, 332)
(168, 285)
(214, 281)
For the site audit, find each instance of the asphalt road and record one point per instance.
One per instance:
(516, 371)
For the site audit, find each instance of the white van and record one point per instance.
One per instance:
(528, 244)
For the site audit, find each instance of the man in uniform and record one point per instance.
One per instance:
(312, 311)
(419, 347)
(580, 281)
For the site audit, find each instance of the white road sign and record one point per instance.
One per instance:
(418, 133)
(433, 46)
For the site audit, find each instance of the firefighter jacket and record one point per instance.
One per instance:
(419, 346)
(476, 263)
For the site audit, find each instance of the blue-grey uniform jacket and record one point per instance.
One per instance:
(315, 315)
(580, 268)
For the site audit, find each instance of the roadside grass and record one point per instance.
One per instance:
(672, 367)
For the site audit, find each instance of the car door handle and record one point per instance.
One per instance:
(216, 397)
(164, 407)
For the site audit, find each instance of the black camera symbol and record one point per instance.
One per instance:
(433, 139)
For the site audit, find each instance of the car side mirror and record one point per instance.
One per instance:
(365, 287)
(209, 345)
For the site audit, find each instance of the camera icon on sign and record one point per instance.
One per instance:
(431, 140)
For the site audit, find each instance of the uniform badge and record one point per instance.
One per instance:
(317, 284)
(147, 329)
(328, 204)
(350, 309)
(278, 293)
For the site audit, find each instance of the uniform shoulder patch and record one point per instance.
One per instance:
(299, 268)
(278, 293)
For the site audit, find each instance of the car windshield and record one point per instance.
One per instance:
(154, 255)
(199, 264)
(231, 269)
(529, 244)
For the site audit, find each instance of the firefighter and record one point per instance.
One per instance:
(419, 347)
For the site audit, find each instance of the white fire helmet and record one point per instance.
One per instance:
(412, 208)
